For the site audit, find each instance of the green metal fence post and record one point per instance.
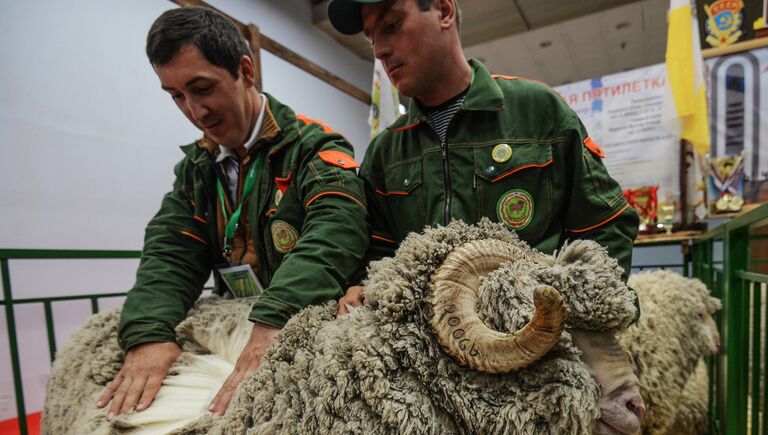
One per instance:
(13, 344)
(735, 258)
(756, 355)
(50, 329)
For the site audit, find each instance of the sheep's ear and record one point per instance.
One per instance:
(714, 304)
(583, 251)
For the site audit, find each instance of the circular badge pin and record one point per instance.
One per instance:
(284, 236)
(515, 209)
(278, 197)
(501, 153)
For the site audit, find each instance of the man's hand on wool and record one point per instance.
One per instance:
(262, 336)
(353, 298)
(140, 378)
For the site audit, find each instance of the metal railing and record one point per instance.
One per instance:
(738, 387)
(9, 303)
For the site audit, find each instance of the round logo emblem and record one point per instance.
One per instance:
(515, 209)
(501, 153)
(278, 197)
(284, 236)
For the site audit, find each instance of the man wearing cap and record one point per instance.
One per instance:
(475, 144)
(268, 198)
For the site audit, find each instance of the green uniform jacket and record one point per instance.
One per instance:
(316, 209)
(516, 153)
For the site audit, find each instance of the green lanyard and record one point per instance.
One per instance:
(232, 222)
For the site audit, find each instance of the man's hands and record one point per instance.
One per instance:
(353, 298)
(139, 379)
(261, 338)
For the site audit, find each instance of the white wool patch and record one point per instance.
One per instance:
(193, 381)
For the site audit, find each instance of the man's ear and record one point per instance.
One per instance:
(247, 70)
(447, 9)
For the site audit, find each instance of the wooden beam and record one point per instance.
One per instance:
(254, 40)
(287, 55)
(735, 48)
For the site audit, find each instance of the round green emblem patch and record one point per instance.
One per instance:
(515, 209)
(284, 236)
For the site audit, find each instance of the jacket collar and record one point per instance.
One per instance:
(483, 94)
(279, 129)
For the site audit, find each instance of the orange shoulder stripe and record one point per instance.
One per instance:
(383, 239)
(381, 192)
(533, 165)
(599, 224)
(407, 127)
(307, 120)
(346, 195)
(188, 234)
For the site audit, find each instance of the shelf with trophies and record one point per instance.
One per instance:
(658, 220)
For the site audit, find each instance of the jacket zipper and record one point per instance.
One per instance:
(446, 183)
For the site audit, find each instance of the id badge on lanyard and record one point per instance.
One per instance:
(240, 279)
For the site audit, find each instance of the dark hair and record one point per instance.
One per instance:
(424, 5)
(211, 32)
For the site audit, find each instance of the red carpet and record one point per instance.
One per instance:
(11, 427)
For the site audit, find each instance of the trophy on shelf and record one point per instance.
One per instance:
(644, 201)
(666, 214)
(725, 183)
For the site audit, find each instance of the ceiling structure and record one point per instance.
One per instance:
(554, 41)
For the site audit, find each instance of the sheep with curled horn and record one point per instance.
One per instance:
(467, 330)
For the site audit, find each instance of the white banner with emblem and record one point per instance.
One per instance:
(623, 113)
(738, 107)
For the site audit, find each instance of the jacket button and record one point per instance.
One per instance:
(490, 170)
(342, 162)
(407, 182)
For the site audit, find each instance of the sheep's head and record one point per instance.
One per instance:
(694, 306)
(497, 306)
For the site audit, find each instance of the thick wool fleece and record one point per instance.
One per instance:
(211, 337)
(380, 369)
(692, 413)
(668, 341)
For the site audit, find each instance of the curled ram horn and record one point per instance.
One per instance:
(452, 314)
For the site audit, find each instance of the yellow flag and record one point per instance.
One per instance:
(685, 69)
(385, 101)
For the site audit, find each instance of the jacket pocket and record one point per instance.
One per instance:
(514, 186)
(403, 194)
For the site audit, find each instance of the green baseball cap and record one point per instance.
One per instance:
(345, 15)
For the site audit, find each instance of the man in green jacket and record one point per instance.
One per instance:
(474, 144)
(268, 198)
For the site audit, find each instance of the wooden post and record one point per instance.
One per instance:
(254, 40)
(683, 184)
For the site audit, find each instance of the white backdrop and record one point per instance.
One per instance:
(88, 141)
(622, 112)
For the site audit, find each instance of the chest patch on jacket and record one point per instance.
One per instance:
(338, 158)
(284, 236)
(515, 209)
(283, 183)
